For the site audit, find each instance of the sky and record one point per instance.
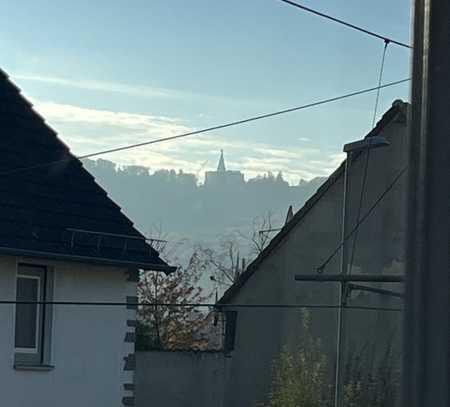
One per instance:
(113, 73)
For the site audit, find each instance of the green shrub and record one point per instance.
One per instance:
(302, 379)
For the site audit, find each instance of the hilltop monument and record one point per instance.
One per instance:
(222, 176)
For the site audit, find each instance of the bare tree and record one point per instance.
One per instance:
(166, 325)
(261, 233)
(223, 263)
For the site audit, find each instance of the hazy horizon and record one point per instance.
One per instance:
(157, 69)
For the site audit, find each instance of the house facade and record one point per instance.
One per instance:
(373, 321)
(64, 245)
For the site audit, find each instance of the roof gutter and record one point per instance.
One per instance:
(87, 259)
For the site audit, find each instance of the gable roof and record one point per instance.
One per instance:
(398, 108)
(290, 214)
(57, 211)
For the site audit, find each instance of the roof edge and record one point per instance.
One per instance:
(4, 75)
(398, 107)
(163, 267)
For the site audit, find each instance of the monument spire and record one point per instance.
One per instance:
(221, 165)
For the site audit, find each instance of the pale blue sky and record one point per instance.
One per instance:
(116, 72)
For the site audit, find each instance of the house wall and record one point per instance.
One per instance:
(263, 332)
(258, 336)
(180, 379)
(87, 348)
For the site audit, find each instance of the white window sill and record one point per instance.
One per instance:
(34, 368)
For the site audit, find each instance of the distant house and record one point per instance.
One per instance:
(62, 239)
(256, 336)
(223, 177)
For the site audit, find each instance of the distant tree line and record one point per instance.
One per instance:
(184, 206)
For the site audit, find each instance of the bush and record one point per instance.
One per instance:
(301, 379)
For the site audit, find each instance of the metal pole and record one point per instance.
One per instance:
(346, 278)
(342, 290)
(427, 351)
(374, 290)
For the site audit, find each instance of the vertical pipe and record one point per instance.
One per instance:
(342, 290)
(415, 233)
(427, 348)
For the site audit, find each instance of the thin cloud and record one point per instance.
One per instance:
(142, 91)
(71, 113)
(292, 153)
(104, 86)
(88, 130)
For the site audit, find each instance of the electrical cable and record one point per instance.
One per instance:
(345, 23)
(321, 268)
(205, 130)
(380, 79)
(366, 163)
(191, 305)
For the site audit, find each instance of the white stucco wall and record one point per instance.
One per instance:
(87, 342)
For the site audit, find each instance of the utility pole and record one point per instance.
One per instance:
(346, 280)
(342, 299)
(426, 361)
(351, 148)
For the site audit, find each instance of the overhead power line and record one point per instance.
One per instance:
(380, 79)
(366, 163)
(208, 129)
(345, 23)
(190, 305)
(321, 268)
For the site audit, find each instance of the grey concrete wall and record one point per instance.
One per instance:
(263, 332)
(180, 379)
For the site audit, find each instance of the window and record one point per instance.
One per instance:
(230, 330)
(33, 320)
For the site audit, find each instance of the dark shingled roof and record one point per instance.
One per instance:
(398, 108)
(39, 207)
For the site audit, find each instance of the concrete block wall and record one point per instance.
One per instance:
(180, 378)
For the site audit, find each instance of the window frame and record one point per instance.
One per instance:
(40, 354)
(38, 314)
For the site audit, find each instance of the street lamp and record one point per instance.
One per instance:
(365, 144)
